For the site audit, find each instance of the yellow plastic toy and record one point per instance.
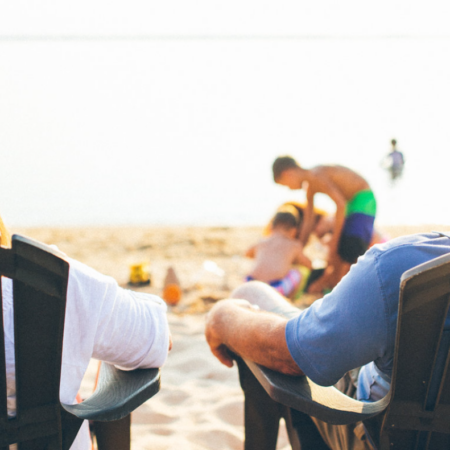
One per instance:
(139, 275)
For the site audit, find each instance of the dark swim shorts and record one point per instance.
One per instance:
(358, 226)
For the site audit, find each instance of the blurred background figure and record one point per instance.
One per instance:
(394, 162)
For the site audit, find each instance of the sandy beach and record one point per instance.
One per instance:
(200, 405)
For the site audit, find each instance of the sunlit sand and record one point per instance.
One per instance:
(200, 405)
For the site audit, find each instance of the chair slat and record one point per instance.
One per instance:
(416, 417)
(445, 395)
(439, 382)
(420, 327)
(39, 318)
(7, 262)
(3, 396)
(39, 295)
(418, 340)
(38, 349)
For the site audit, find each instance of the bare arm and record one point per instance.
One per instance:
(301, 258)
(252, 334)
(338, 224)
(308, 217)
(324, 185)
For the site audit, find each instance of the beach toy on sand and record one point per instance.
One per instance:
(172, 290)
(139, 275)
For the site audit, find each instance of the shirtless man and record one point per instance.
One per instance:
(354, 218)
(276, 254)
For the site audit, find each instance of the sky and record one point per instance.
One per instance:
(166, 100)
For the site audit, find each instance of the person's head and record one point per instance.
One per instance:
(393, 142)
(286, 221)
(5, 237)
(285, 172)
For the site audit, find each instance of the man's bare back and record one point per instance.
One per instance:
(348, 182)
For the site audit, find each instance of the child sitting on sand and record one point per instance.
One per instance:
(276, 254)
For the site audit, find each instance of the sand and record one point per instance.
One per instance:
(200, 405)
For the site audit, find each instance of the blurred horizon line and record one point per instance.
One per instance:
(198, 37)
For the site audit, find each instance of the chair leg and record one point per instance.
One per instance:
(261, 414)
(262, 418)
(439, 441)
(113, 435)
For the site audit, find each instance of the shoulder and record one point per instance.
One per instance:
(85, 275)
(396, 256)
(257, 246)
(318, 171)
(428, 245)
(322, 176)
(325, 169)
(263, 242)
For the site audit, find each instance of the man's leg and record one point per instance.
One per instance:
(344, 437)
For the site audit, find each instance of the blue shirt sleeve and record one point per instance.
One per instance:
(346, 329)
(356, 323)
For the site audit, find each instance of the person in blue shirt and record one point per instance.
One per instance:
(353, 327)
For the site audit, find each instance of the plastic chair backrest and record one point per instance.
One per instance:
(40, 277)
(418, 416)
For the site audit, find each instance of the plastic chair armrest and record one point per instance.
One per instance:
(118, 393)
(325, 403)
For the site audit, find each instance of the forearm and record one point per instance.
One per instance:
(303, 260)
(337, 229)
(306, 226)
(255, 335)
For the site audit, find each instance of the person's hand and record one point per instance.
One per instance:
(214, 337)
(215, 331)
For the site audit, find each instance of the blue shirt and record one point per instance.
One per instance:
(355, 325)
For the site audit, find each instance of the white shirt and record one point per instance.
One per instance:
(103, 321)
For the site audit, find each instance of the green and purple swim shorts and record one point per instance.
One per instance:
(358, 226)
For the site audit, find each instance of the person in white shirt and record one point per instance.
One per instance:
(103, 321)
